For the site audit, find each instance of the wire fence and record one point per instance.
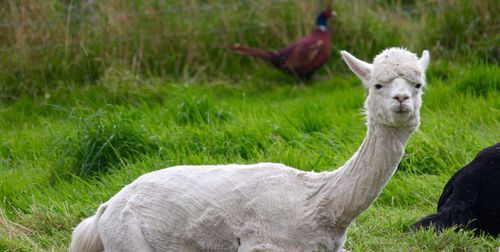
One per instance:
(78, 17)
(89, 12)
(87, 15)
(57, 56)
(142, 37)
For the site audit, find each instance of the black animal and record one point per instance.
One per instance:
(471, 198)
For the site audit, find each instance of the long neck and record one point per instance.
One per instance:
(354, 186)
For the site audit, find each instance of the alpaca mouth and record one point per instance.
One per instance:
(402, 110)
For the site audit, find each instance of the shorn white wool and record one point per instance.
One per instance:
(268, 206)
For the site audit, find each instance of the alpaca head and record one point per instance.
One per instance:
(395, 82)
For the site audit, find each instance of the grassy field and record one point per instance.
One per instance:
(64, 153)
(95, 93)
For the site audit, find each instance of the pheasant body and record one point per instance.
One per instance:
(303, 57)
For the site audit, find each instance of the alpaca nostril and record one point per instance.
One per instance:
(401, 98)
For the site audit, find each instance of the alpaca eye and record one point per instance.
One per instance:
(418, 85)
(378, 86)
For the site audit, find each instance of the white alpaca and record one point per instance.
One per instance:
(267, 206)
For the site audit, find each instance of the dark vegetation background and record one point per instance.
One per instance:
(47, 44)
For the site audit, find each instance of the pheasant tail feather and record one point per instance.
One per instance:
(254, 52)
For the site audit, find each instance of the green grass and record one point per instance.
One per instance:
(120, 129)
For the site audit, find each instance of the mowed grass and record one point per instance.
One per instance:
(67, 152)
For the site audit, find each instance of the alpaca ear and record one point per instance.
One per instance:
(360, 68)
(424, 60)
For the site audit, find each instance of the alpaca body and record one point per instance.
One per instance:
(303, 57)
(471, 198)
(231, 207)
(266, 206)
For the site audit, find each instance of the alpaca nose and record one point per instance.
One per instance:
(401, 98)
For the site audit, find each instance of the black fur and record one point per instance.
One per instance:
(471, 198)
